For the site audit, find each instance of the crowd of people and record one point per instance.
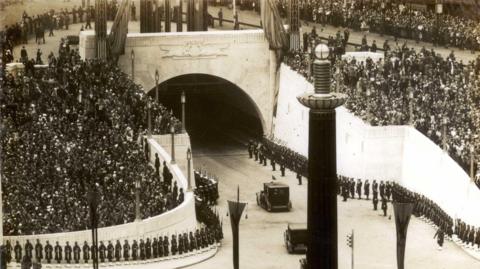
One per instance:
(396, 19)
(438, 96)
(141, 249)
(72, 128)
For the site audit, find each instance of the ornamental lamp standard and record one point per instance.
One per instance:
(322, 246)
(149, 113)
(438, 12)
(189, 170)
(382, 5)
(172, 132)
(132, 57)
(157, 78)
(183, 101)
(138, 187)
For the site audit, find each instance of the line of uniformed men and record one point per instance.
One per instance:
(143, 250)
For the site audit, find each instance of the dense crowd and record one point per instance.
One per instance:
(71, 128)
(396, 19)
(438, 96)
(142, 249)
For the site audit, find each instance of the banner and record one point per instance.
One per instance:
(118, 33)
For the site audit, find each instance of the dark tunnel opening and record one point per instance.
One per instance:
(218, 114)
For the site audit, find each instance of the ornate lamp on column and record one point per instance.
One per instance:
(183, 101)
(132, 56)
(157, 78)
(322, 168)
(149, 113)
(138, 187)
(189, 170)
(172, 131)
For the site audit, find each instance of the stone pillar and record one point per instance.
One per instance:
(180, 17)
(168, 17)
(191, 15)
(142, 15)
(322, 250)
(101, 29)
(294, 23)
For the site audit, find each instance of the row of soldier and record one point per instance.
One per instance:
(142, 250)
(347, 188)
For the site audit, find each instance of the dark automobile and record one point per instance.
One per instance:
(274, 196)
(296, 238)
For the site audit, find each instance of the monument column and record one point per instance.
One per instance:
(101, 29)
(322, 250)
(168, 17)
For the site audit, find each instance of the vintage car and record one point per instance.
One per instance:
(296, 238)
(274, 196)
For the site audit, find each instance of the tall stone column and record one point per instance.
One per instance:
(168, 16)
(294, 23)
(180, 16)
(101, 29)
(322, 250)
(191, 15)
(142, 15)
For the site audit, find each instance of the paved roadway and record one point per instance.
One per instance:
(261, 235)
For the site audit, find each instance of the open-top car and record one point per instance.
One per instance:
(296, 238)
(274, 196)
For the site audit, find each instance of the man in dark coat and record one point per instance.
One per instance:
(134, 250)
(29, 250)
(126, 250)
(173, 243)
(110, 250)
(366, 189)
(359, 189)
(142, 249)
(18, 252)
(382, 189)
(375, 203)
(165, 246)
(160, 246)
(101, 251)
(384, 206)
(68, 252)
(8, 252)
(155, 248)
(76, 252)
(118, 251)
(375, 189)
(38, 251)
(148, 249)
(352, 188)
(48, 252)
(86, 252)
(440, 237)
(58, 252)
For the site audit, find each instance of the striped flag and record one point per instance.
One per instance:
(118, 33)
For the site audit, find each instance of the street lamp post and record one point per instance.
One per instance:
(183, 101)
(149, 113)
(322, 248)
(444, 134)
(172, 132)
(137, 200)
(132, 56)
(157, 78)
(189, 170)
(438, 11)
(410, 106)
(383, 18)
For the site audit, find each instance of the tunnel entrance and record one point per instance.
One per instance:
(218, 113)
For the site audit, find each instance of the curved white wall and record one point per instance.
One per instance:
(180, 219)
(398, 153)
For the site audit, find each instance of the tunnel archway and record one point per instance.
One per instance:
(217, 112)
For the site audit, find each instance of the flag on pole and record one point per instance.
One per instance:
(273, 26)
(118, 33)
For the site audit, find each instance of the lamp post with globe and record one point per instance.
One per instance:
(172, 132)
(138, 187)
(322, 169)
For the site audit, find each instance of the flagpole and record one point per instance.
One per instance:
(234, 7)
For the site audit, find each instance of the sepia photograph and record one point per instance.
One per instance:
(240, 134)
